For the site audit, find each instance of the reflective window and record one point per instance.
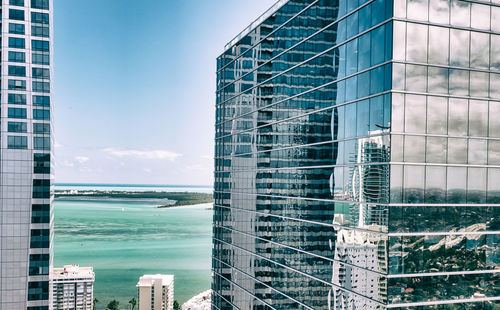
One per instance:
(16, 98)
(16, 42)
(17, 56)
(40, 4)
(39, 18)
(17, 84)
(16, 14)
(17, 142)
(41, 114)
(17, 113)
(16, 28)
(17, 71)
(17, 127)
(460, 13)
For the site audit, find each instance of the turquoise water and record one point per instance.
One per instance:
(124, 240)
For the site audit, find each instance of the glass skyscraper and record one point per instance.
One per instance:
(357, 157)
(25, 154)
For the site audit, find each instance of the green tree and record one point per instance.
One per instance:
(94, 302)
(113, 305)
(176, 305)
(133, 303)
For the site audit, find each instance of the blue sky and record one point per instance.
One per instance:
(134, 87)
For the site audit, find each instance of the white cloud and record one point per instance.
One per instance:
(58, 145)
(82, 159)
(153, 154)
(67, 163)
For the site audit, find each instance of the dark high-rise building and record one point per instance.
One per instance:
(26, 155)
(358, 157)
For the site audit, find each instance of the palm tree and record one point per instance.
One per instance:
(133, 303)
(95, 301)
(113, 305)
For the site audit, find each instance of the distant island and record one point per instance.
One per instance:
(165, 199)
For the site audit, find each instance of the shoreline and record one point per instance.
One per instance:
(163, 199)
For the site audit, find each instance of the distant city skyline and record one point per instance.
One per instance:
(135, 88)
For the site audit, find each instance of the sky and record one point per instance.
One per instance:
(134, 87)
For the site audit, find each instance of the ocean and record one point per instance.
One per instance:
(122, 240)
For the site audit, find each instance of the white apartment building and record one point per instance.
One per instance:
(156, 292)
(72, 288)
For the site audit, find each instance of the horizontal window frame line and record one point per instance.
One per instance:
(302, 251)
(215, 291)
(441, 302)
(295, 45)
(416, 134)
(397, 204)
(333, 226)
(407, 92)
(453, 233)
(243, 289)
(262, 283)
(303, 273)
(453, 27)
(439, 274)
(385, 92)
(386, 163)
(302, 198)
(495, 205)
(401, 163)
(311, 59)
(473, 69)
(264, 38)
(298, 146)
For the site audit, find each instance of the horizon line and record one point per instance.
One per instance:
(127, 184)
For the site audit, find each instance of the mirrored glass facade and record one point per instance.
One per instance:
(26, 154)
(357, 157)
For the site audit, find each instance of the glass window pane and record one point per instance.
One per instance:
(416, 49)
(435, 184)
(415, 113)
(457, 151)
(493, 152)
(400, 8)
(416, 78)
(399, 45)
(436, 150)
(414, 151)
(456, 184)
(495, 17)
(495, 85)
(479, 84)
(439, 42)
(397, 148)
(414, 184)
(439, 11)
(480, 16)
(397, 115)
(459, 82)
(459, 48)
(437, 115)
(495, 52)
(493, 185)
(479, 50)
(418, 9)
(437, 80)
(476, 185)
(478, 118)
(494, 116)
(478, 151)
(460, 13)
(458, 117)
